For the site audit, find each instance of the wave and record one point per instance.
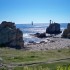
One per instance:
(29, 38)
(29, 29)
(26, 35)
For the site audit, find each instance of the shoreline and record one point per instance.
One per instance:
(52, 43)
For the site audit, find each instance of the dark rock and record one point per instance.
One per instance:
(11, 36)
(37, 34)
(42, 42)
(31, 42)
(66, 32)
(40, 35)
(52, 41)
(68, 26)
(53, 28)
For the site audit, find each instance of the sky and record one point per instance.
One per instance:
(38, 11)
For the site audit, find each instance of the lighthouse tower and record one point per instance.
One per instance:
(32, 22)
(50, 21)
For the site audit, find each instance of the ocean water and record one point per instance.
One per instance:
(29, 29)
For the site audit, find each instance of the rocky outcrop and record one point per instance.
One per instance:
(66, 32)
(53, 28)
(68, 26)
(40, 35)
(11, 36)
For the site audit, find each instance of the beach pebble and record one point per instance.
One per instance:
(52, 43)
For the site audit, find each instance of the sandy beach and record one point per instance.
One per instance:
(51, 43)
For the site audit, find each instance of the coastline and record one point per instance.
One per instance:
(52, 43)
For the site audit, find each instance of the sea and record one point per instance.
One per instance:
(29, 29)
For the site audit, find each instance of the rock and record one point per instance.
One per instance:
(52, 41)
(31, 42)
(53, 28)
(68, 26)
(40, 35)
(66, 32)
(11, 36)
(42, 42)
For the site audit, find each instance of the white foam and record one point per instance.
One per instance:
(26, 35)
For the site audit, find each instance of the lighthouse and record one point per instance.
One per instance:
(32, 23)
(50, 21)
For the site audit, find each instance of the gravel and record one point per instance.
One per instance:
(53, 43)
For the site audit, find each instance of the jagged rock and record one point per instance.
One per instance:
(68, 26)
(53, 28)
(40, 35)
(66, 32)
(11, 36)
(31, 42)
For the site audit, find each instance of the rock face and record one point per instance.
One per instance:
(11, 36)
(66, 32)
(68, 26)
(53, 29)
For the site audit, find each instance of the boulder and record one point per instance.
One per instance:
(53, 28)
(68, 26)
(11, 36)
(40, 35)
(66, 32)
